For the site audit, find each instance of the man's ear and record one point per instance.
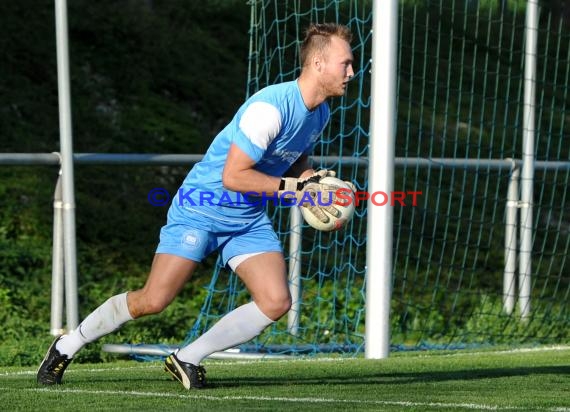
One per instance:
(317, 62)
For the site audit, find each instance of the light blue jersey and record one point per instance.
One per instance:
(274, 128)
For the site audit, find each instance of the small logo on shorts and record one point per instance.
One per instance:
(190, 239)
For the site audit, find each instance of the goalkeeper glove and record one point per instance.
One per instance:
(311, 186)
(293, 184)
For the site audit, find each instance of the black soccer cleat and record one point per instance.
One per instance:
(52, 367)
(189, 375)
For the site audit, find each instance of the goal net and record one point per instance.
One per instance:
(459, 121)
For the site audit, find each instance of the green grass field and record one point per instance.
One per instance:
(536, 379)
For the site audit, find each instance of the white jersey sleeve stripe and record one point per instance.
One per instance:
(261, 123)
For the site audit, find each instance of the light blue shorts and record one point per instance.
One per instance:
(194, 235)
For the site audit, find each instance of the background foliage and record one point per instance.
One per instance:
(146, 77)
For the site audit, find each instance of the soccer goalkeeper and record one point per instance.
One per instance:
(271, 136)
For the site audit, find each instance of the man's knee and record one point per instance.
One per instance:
(275, 307)
(284, 305)
(141, 304)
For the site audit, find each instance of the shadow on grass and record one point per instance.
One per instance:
(347, 378)
(315, 377)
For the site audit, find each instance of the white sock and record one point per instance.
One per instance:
(105, 319)
(239, 326)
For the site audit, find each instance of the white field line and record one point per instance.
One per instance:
(429, 354)
(355, 402)
(466, 352)
(151, 365)
(305, 359)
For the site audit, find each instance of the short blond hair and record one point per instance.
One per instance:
(318, 38)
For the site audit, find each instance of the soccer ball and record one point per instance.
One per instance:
(344, 202)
